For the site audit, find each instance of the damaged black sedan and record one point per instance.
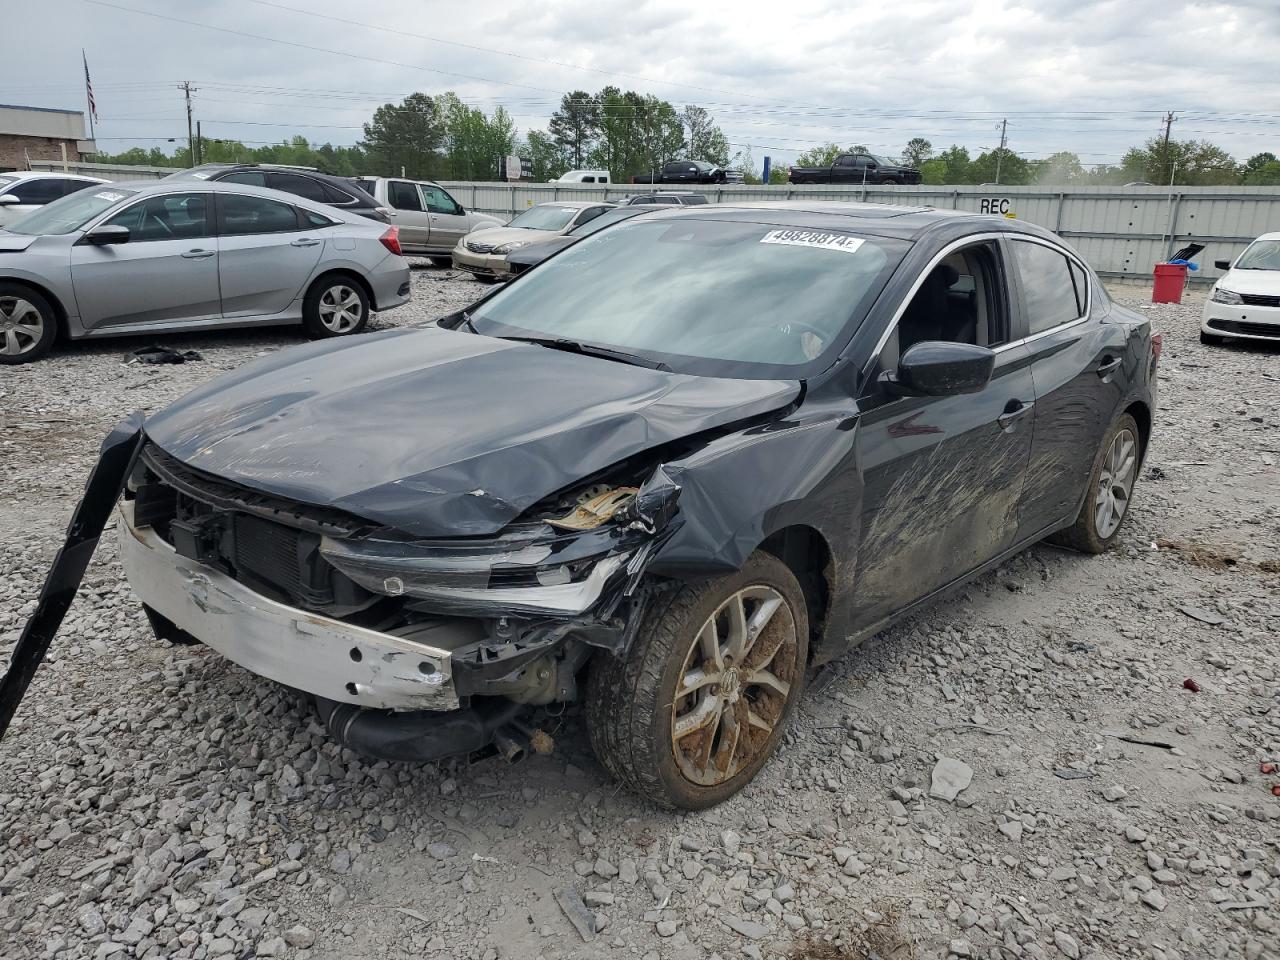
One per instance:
(666, 472)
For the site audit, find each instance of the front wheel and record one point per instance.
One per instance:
(335, 306)
(689, 715)
(28, 324)
(1115, 470)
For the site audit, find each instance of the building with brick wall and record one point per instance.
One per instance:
(41, 133)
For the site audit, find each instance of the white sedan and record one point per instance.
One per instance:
(1245, 301)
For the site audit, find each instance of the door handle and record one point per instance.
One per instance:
(434, 218)
(1014, 411)
(304, 242)
(1107, 365)
(198, 254)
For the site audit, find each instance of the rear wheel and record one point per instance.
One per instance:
(28, 324)
(1211, 339)
(335, 306)
(695, 708)
(892, 182)
(1115, 470)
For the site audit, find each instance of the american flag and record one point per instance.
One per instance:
(88, 88)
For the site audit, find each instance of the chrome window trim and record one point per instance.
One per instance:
(968, 241)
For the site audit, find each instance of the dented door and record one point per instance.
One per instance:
(942, 481)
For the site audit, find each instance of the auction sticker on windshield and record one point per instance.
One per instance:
(813, 238)
(110, 196)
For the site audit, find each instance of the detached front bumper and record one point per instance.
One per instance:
(481, 264)
(317, 654)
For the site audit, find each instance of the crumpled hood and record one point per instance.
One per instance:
(437, 432)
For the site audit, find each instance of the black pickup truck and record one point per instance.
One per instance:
(685, 171)
(855, 168)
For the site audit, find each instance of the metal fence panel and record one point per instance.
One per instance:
(1120, 231)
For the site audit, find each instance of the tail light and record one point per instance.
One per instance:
(391, 240)
(1157, 345)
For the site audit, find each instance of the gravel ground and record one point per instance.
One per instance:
(161, 802)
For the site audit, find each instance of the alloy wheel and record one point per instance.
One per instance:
(341, 309)
(1115, 482)
(734, 685)
(21, 326)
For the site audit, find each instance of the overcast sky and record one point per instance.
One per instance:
(1092, 76)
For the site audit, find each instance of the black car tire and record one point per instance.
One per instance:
(631, 699)
(1212, 339)
(891, 182)
(12, 294)
(1083, 535)
(324, 293)
(446, 262)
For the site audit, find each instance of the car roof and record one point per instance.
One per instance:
(1268, 236)
(147, 188)
(36, 174)
(880, 219)
(575, 204)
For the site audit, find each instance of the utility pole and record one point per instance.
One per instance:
(199, 145)
(1164, 155)
(1004, 125)
(185, 87)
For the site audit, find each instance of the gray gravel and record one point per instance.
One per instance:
(160, 802)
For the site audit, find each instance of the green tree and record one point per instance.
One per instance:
(703, 139)
(473, 142)
(406, 136)
(917, 151)
(1012, 169)
(1192, 162)
(933, 172)
(549, 158)
(822, 156)
(1058, 168)
(955, 164)
(744, 162)
(1261, 170)
(576, 124)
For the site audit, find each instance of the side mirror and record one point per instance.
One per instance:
(938, 368)
(460, 211)
(9, 200)
(1220, 264)
(106, 235)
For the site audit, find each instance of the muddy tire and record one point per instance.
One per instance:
(28, 324)
(335, 306)
(1111, 483)
(737, 647)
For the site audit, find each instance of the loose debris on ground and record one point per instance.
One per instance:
(156, 801)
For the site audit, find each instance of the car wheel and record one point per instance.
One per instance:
(28, 324)
(446, 262)
(691, 712)
(1111, 482)
(335, 306)
(892, 183)
(1211, 339)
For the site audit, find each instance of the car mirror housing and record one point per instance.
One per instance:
(937, 368)
(107, 234)
(9, 200)
(1220, 264)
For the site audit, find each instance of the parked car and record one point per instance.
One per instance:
(532, 254)
(855, 168)
(667, 198)
(685, 171)
(583, 176)
(431, 221)
(21, 193)
(1245, 301)
(666, 473)
(483, 254)
(301, 181)
(180, 254)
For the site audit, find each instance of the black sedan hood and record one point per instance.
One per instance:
(436, 432)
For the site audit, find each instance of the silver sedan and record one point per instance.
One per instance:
(153, 257)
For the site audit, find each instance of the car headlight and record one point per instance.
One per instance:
(1220, 295)
(504, 248)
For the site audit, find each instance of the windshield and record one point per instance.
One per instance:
(68, 214)
(602, 221)
(1261, 255)
(723, 298)
(545, 216)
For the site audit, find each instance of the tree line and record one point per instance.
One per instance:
(441, 138)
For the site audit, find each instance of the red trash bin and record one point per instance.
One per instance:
(1170, 279)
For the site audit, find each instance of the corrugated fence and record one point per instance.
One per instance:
(1121, 231)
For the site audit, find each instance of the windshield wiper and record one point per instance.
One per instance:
(592, 350)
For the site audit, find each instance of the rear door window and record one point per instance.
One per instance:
(250, 178)
(297, 185)
(404, 195)
(336, 197)
(242, 215)
(1048, 292)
